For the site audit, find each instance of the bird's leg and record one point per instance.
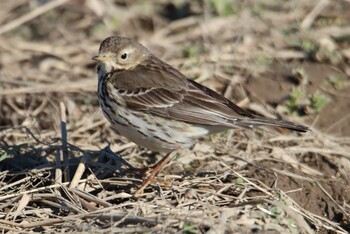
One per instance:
(156, 168)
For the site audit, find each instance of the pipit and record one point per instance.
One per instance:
(157, 107)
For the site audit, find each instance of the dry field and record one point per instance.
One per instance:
(277, 58)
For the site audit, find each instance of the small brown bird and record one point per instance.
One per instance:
(156, 106)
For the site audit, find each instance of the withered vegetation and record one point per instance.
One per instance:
(63, 169)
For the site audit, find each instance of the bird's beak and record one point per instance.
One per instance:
(102, 58)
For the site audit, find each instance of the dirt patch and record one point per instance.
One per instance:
(275, 87)
(320, 196)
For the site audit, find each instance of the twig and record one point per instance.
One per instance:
(92, 215)
(89, 197)
(58, 172)
(3, 228)
(251, 183)
(31, 15)
(293, 214)
(335, 123)
(78, 173)
(21, 205)
(332, 199)
(64, 150)
(72, 87)
(310, 18)
(325, 152)
(33, 190)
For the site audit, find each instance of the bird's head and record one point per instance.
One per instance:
(120, 53)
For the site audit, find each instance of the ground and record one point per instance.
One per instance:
(60, 168)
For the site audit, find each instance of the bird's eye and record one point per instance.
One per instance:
(124, 56)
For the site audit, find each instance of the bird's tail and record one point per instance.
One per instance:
(263, 121)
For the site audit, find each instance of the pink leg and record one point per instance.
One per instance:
(156, 168)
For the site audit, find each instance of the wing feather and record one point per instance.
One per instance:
(159, 89)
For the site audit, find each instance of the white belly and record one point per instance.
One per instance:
(153, 132)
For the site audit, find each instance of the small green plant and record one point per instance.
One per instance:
(191, 51)
(257, 9)
(308, 46)
(189, 229)
(239, 181)
(3, 155)
(223, 7)
(298, 100)
(337, 82)
(276, 211)
(318, 101)
(301, 75)
(263, 60)
(115, 21)
(187, 166)
(295, 98)
(7, 152)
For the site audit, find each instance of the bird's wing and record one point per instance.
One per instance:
(163, 91)
(170, 94)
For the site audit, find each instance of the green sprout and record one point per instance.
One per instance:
(263, 60)
(3, 155)
(223, 7)
(257, 10)
(239, 181)
(189, 229)
(318, 101)
(308, 46)
(295, 97)
(337, 82)
(301, 75)
(191, 52)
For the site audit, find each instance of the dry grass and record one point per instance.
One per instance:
(57, 173)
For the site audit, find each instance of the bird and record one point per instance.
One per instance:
(154, 105)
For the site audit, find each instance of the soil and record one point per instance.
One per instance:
(334, 118)
(316, 197)
(274, 88)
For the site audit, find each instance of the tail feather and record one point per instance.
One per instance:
(262, 121)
